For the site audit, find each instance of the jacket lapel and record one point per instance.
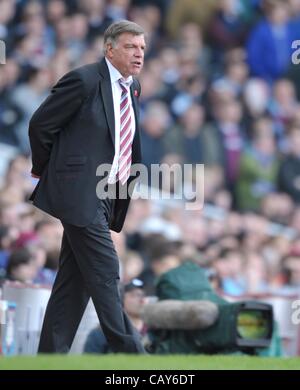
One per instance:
(107, 97)
(136, 148)
(134, 104)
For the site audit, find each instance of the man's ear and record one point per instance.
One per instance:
(109, 50)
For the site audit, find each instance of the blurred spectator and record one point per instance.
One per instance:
(162, 258)
(224, 139)
(154, 125)
(236, 71)
(259, 167)
(214, 181)
(272, 36)
(77, 43)
(117, 9)
(228, 266)
(186, 138)
(282, 108)
(7, 236)
(133, 301)
(139, 211)
(21, 266)
(98, 20)
(255, 273)
(18, 182)
(190, 88)
(49, 233)
(256, 96)
(8, 10)
(149, 17)
(277, 207)
(27, 98)
(274, 251)
(191, 40)
(195, 232)
(289, 172)
(39, 37)
(132, 266)
(291, 271)
(189, 10)
(55, 11)
(10, 115)
(227, 27)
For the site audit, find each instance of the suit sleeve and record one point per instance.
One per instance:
(50, 118)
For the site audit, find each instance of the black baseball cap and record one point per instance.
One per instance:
(133, 284)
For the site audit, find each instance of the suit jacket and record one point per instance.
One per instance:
(71, 134)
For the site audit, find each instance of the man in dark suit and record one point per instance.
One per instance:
(89, 119)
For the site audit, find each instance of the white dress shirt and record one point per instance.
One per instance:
(115, 76)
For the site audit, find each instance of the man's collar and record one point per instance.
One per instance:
(115, 75)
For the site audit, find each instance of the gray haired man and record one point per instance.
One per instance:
(90, 118)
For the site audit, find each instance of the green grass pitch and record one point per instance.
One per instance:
(148, 362)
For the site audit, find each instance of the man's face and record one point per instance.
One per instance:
(128, 54)
(134, 301)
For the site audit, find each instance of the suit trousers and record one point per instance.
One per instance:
(89, 267)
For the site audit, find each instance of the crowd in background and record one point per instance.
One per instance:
(218, 88)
